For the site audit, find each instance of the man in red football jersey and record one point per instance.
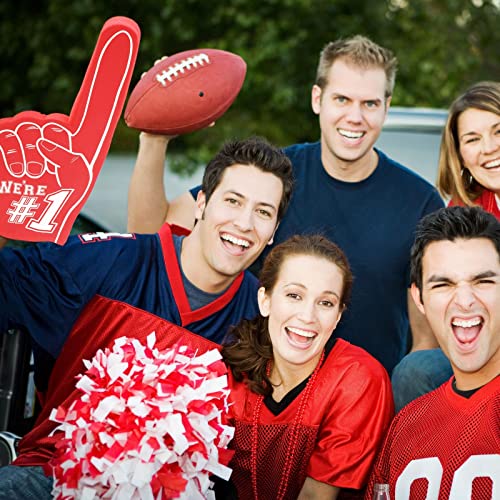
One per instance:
(446, 444)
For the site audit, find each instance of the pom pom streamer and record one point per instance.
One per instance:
(149, 424)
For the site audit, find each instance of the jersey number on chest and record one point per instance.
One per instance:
(461, 487)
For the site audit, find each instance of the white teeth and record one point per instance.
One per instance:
(349, 134)
(235, 241)
(493, 163)
(302, 333)
(466, 323)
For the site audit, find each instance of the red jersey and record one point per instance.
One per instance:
(37, 447)
(444, 446)
(343, 424)
(101, 287)
(486, 200)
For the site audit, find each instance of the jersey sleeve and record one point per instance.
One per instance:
(43, 288)
(380, 473)
(354, 427)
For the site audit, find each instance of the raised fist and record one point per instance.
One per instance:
(49, 163)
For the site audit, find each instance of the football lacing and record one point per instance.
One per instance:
(186, 64)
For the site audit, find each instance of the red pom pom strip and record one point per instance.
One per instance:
(148, 424)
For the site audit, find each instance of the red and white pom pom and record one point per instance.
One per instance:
(149, 424)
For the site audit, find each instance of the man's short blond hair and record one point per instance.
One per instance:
(358, 51)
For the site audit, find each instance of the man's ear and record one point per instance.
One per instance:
(417, 297)
(271, 239)
(388, 103)
(316, 99)
(263, 300)
(200, 205)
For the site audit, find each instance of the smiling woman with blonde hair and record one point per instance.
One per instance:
(469, 163)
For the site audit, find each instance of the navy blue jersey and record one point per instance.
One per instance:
(373, 221)
(76, 299)
(45, 288)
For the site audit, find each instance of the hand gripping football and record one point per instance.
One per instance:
(185, 92)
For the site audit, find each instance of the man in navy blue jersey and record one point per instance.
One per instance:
(78, 298)
(355, 195)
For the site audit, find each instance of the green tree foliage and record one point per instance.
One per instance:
(442, 46)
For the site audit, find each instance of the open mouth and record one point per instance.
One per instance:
(299, 337)
(350, 134)
(492, 164)
(235, 245)
(466, 331)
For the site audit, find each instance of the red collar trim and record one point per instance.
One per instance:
(172, 267)
(488, 201)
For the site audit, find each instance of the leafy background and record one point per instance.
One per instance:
(442, 47)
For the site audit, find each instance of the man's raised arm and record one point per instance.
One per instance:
(148, 207)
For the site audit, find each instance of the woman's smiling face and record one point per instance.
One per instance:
(479, 143)
(304, 308)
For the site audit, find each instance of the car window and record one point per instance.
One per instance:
(418, 150)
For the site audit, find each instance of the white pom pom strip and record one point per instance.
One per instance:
(148, 424)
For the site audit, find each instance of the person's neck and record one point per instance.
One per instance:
(197, 270)
(349, 171)
(285, 377)
(465, 381)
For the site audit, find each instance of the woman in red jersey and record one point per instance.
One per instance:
(309, 409)
(469, 164)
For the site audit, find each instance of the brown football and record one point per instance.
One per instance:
(185, 92)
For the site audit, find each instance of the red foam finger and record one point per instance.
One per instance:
(59, 134)
(28, 134)
(49, 163)
(100, 101)
(11, 153)
(75, 167)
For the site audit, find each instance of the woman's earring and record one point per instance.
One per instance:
(467, 177)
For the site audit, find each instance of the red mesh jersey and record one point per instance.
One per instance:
(444, 446)
(110, 320)
(349, 410)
